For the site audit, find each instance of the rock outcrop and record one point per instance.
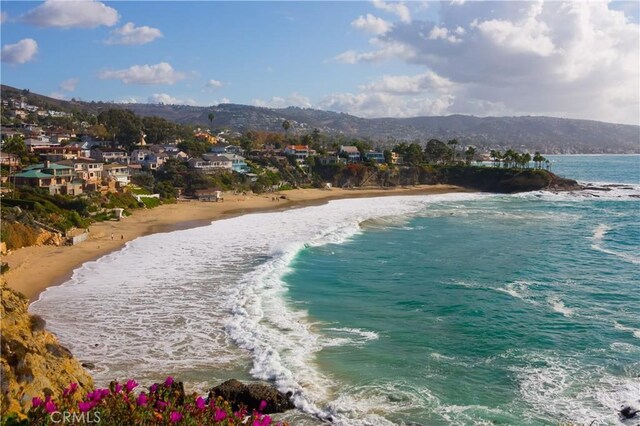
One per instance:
(32, 361)
(250, 396)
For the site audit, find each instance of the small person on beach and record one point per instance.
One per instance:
(121, 237)
(112, 235)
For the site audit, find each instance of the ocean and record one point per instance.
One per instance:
(451, 309)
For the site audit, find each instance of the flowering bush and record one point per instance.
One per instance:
(161, 404)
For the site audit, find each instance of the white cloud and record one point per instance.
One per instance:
(441, 33)
(371, 24)
(4, 16)
(129, 100)
(20, 52)
(69, 85)
(295, 99)
(214, 84)
(396, 96)
(528, 35)
(376, 104)
(71, 14)
(221, 101)
(397, 8)
(163, 98)
(386, 51)
(568, 59)
(130, 34)
(404, 84)
(162, 73)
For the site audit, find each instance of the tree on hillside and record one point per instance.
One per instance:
(15, 145)
(436, 152)
(414, 154)
(526, 159)
(469, 155)
(285, 125)
(211, 116)
(124, 125)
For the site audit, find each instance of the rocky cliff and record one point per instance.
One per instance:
(32, 362)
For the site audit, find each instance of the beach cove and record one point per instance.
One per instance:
(34, 269)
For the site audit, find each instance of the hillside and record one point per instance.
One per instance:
(545, 134)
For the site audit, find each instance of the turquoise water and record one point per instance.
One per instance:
(500, 310)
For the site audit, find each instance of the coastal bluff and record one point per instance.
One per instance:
(32, 362)
(485, 179)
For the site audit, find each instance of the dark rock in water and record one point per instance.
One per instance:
(88, 365)
(250, 396)
(628, 412)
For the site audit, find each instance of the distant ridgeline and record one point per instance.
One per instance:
(545, 134)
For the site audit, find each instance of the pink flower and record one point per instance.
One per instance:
(263, 405)
(50, 407)
(131, 384)
(168, 382)
(104, 393)
(142, 399)
(85, 406)
(219, 415)
(70, 390)
(153, 388)
(160, 405)
(36, 402)
(117, 387)
(200, 403)
(175, 417)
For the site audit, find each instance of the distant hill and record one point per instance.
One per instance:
(544, 134)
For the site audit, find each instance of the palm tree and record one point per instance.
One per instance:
(211, 117)
(538, 159)
(452, 143)
(510, 158)
(526, 159)
(285, 125)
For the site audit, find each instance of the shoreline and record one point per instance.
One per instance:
(35, 269)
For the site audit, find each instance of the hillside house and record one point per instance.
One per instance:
(118, 172)
(57, 178)
(375, 156)
(300, 152)
(351, 152)
(210, 164)
(110, 155)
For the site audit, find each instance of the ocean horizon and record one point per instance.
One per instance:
(462, 308)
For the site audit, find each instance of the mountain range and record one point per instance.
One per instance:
(534, 133)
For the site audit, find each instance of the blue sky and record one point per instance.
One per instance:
(371, 59)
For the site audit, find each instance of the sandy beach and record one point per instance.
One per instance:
(33, 269)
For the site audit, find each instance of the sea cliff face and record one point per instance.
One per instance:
(32, 362)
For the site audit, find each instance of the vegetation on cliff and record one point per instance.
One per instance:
(32, 362)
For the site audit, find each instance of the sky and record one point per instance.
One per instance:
(370, 59)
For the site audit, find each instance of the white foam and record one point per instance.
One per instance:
(598, 244)
(560, 389)
(181, 303)
(559, 306)
(635, 332)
